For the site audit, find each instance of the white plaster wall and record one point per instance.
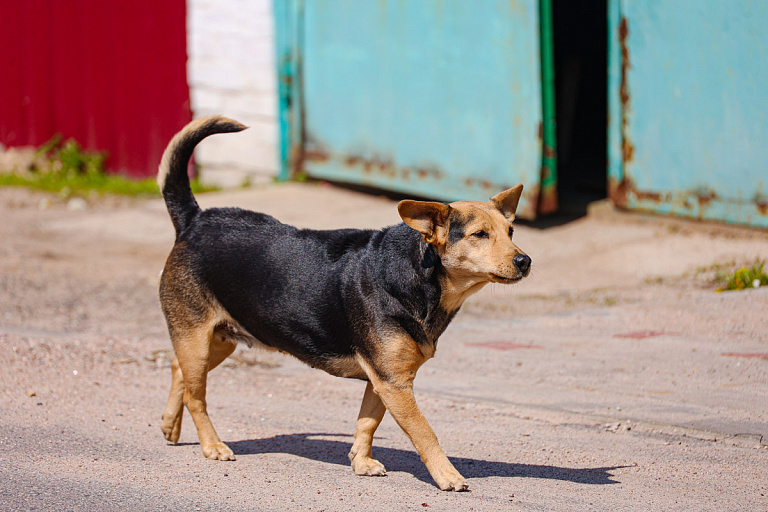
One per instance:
(231, 71)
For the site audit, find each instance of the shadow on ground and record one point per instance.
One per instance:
(335, 452)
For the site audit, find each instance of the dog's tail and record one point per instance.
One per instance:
(172, 174)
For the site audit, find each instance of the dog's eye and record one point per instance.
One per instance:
(511, 231)
(480, 234)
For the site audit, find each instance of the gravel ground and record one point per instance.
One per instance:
(614, 378)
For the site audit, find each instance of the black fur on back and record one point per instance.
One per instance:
(317, 294)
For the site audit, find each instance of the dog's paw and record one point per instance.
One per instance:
(218, 451)
(452, 481)
(367, 466)
(171, 428)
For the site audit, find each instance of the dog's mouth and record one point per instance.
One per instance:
(505, 280)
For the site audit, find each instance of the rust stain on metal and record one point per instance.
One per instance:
(316, 155)
(762, 207)
(705, 199)
(627, 149)
(527, 209)
(487, 186)
(296, 159)
(549, 152)
(352, 161)
(648, 196)
(619, 191)
(541, 131)
(548, 199)
(388, 169)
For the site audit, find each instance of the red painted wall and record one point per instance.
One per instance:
(111, 74)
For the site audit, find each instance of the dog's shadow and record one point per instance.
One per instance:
(313, 446)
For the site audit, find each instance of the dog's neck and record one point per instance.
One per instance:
(456, 289)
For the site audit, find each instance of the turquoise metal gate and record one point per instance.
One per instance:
(436, 98)
(688, 108)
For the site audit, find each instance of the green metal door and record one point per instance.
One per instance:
(434, 98)
(689, 109)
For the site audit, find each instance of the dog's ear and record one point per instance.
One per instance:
(507, 201)
(429, 219)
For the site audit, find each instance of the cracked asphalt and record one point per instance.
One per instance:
(613, 378)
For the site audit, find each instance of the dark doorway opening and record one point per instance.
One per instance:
(581, 63)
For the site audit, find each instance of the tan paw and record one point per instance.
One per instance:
(451, 481)
(171, 428)
(218, 451)
(368, 466)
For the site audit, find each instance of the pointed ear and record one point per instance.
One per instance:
(507, 201)
(429, 219)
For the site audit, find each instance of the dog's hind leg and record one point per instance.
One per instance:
(198, 352)
(171, 424)
(371, 412)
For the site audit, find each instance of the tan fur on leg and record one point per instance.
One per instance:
(402, 359)
(401, 403)
(197, 352)
(171, 423)
(371, 412)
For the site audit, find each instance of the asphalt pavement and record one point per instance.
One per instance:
(615, 377)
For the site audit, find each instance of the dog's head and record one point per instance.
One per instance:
(473, 239)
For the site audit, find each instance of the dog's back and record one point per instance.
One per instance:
(313, 294)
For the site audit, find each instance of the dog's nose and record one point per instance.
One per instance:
(522, 262)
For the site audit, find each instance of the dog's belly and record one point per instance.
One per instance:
(343, 366)
(235, 333)
(339, 366)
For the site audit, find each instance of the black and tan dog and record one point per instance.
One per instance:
(361, 304)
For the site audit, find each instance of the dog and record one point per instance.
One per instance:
(360, 304)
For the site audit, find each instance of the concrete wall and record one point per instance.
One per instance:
(232, 72)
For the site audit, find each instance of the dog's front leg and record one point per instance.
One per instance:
(371, 412)
(401, 403)
(395, 390)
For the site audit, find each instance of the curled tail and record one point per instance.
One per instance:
(172, 174)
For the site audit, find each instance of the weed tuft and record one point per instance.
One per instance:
(747, 277)
(66, 169)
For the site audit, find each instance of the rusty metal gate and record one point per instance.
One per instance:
(688, 108)
(435, 98)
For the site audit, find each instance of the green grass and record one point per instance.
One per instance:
(68, 170)
(83, 186)
(747, 277)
